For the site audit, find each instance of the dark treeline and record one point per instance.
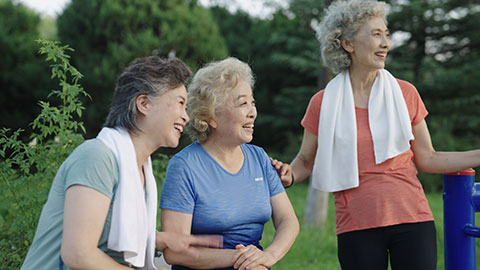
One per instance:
(436, 47)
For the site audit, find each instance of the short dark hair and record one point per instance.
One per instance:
(151, 76)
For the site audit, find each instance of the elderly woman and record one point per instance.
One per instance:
(220, 184)
(101, 209)
(363, 136)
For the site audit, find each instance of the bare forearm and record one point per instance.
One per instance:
(208, 258)
(446, 162)
(284, 238)
(301, 168)
(160, 241)
(93, 260)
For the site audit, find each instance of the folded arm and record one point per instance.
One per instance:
(202, 257)
(286, 225)
(430, 161)
(83, 220)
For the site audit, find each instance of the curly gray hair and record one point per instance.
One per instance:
(342, 20)
(208, 92)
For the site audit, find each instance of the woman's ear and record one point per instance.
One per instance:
(143, 104)
(212, 123)
(347, 45)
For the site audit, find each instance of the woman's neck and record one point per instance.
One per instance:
(230, 157)
(362, 82)
(142, 148)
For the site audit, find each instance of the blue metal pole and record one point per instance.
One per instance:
(459, 220)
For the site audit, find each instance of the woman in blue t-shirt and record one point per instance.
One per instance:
(220, 184)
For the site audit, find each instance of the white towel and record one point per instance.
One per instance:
(336, 162)
(133, 223)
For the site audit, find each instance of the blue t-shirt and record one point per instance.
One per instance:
(233, 205)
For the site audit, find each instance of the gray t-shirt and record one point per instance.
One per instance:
(91, 164)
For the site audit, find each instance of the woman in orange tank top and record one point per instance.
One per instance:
(364, 144)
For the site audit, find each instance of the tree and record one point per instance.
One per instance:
(23, 74)
(441, 56)
(107, 34)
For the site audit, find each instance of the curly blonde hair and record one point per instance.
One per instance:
(342, 20)
(208, 91)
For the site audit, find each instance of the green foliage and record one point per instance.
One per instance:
(23, 73)
(441, 57)
(108, 34)
(27, 169)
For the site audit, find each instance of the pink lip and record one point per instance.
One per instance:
(249, 130)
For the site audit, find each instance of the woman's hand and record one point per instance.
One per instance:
(284, 171)
(250, 257)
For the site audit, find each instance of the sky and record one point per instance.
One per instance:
(46, 7)
(254, 7)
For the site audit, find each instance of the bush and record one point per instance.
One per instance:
(27, 169)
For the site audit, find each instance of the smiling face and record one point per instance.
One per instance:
(167, 116)
(370, 45)
(234, 124)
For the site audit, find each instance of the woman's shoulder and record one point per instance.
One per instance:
(191, 151)
(92, 151)
(319, 95)
(409, 91)
(256, 150)
(406, 86)
(252, 147)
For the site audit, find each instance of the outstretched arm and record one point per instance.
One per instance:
(287, 227)
(430, 161)
(83, 220)
(196, 257)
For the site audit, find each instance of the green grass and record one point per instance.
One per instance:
(316, 248)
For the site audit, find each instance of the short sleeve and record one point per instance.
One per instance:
(274, 182)
(177, 191)
(416, 108)
(92, 165)
(312, 115)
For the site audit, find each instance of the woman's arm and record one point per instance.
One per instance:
(430, 161)
(185, 243)
(302, 164)
(287, 227)
(202, 258)
(83, 220)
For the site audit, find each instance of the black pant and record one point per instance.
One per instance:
(411, 246)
